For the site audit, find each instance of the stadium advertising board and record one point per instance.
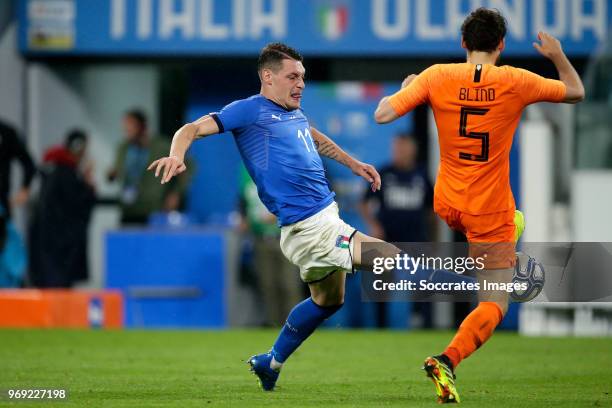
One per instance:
(316, 27)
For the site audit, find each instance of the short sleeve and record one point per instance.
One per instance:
(534, 88)
(236, 115)
(415, 94)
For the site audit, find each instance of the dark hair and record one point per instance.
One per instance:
(75, 139)
(483, 30)
(273, 54)
(139, 116)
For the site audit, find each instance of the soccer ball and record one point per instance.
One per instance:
(527, 270)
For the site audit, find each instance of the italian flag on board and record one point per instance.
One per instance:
(333, 21)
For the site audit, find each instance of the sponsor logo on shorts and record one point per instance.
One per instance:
(342, 241)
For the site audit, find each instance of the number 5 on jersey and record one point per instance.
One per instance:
(482, 136)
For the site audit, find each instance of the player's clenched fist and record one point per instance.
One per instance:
(548, 46)
(168, 166)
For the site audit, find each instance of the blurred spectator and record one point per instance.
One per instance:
(12, 148)
(277, 279)
(12, 251)
(60, 219)
(402, 210)
(141, 193)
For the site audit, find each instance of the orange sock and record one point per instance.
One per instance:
(474, 331)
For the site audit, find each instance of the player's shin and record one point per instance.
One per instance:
(301, 322)
(474, 331)
(480, 324)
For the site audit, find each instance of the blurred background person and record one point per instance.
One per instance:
(60, 219)
(402, 210)
(140, 195)
(11, 149)
(12, 250)
(278, 285)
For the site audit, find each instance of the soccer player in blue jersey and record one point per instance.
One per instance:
(282, 152)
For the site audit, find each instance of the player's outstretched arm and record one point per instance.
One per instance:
(550, 47)
(174, 163)
(326, 147)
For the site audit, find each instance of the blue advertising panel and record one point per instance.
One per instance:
(170, 278)
(315, 27)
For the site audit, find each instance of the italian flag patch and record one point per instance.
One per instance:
(342, 241)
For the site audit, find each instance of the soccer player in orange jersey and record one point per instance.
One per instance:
(477, 107)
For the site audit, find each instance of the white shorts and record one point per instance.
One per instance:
(319, 245)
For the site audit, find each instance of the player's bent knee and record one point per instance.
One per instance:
(329, 299)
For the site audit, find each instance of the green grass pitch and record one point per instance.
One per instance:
(333, 368)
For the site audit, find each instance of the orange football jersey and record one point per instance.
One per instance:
(477, 109)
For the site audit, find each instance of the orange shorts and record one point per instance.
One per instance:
(491, 236)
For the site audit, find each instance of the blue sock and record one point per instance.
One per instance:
(304, 318)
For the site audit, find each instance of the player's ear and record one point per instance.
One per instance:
(463, 44)
(502, 45)
(265, 76)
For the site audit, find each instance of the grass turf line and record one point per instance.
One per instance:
(333, 368)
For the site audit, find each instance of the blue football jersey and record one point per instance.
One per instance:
(280, 155)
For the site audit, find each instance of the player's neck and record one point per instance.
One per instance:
(268, 95)
(479, 57)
